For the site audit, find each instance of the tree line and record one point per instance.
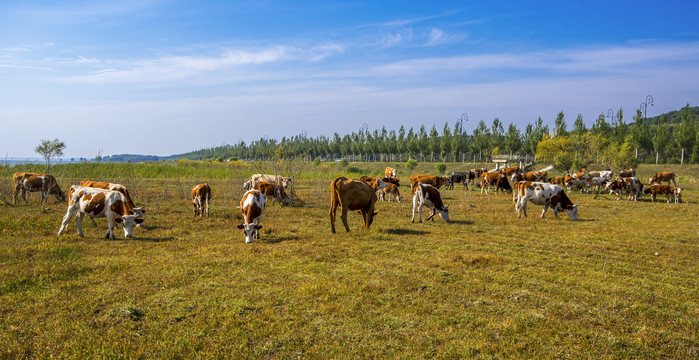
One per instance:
(668, 138)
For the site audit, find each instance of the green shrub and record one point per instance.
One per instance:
(441, 167)
(344, 162)
(316, 162)
(354, 169)
(411, 164)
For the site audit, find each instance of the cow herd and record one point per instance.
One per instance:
(113, 201)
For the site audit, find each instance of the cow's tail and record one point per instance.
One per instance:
(334, 196)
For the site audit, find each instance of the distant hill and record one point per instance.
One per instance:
(129, 157)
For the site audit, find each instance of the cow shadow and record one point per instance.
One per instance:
(462, 222)
(277, 240)
(152, 239)
(403, 231)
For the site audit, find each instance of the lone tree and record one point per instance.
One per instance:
(50, 149)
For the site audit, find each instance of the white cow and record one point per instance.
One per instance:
(95, 202)
(283, 181)
(428, 195)
(252, 205)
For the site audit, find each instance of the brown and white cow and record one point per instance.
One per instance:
(540, 175)
(31, 182)
(667, 190)
(201, 198)
(496, 179)
(436, 181)
(115, 187)
(659, 177)
(597, 184)
(510, 170)
(631, 185)
(391, 172)
(558, 180)
(428, 195)
(96, 203)
(352, 195)
(252, 205)
(284, 181)
(541, 193)
(390, 189)
(276, 192)
(627, 173)
(394, 181)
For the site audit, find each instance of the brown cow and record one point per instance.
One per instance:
(375, 182)
(659, 177)
(666, 190)
(631, 185)
(252, 205)
(510, 170)
(436, 181)
(352, 195)
(31, 182)
(276, 192)
(558, 180)
(201, 198)
(391, 172)
(394, 181)
(391, 189)
(627, 173)
(494, 178)
(530, 176)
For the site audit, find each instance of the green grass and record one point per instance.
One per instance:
(620, 283)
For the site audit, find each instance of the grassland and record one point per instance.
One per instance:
(620, 283)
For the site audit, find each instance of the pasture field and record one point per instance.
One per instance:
(620, 283)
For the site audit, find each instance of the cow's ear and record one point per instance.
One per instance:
(258, 227)
(241, 227)
(446, 208)
(118, 220)
(138, 220)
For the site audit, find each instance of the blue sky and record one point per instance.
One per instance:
(162, 77)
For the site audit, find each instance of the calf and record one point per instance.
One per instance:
(541, 193)
(201, 198)
(284, 181)
(31, 182)
(252, 205)
(374, 182)
(391, 172)
(96, 203)
(394, 181)
(597, 184)
(576, 180)
(428, 195)
(458, 178)
(390, 189)
(352, 195)
(540, 175)
(627, 173)
(659, 177)
(558, 180)
(276, 192)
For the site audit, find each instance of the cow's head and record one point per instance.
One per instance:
(247, 185)
(249, 231)
(444, 214)
(128, 222)
(61, 196)
(287, 181)
(678, 195)
(572, 211)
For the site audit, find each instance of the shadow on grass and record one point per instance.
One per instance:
(462, 222)
(153, 239)
(405, 232)
(280, 239)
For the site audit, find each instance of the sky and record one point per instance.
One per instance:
(163, 77)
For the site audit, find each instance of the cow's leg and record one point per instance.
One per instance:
(652, 197)
(93, 221)
(79, 223)
(546, 207)
(522, 207)
(18, 187)
(332, 219)
(44, 197)
(207, 206)
(415, 204)
(343, 217)
(66, 219)
(111, 224)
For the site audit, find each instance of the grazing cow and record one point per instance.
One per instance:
(374, 182)
(578, 180)
(284, 181)
(494, 178)
(352, 195)
(247, 185)
(627, 173)
(428, 195)
(252, 206)
(391, 172)
(541, 193)
(276, 192)
(394, 181)
(558, 180)
(631, 185)
(31, 182)
(659, 177)
(597, 184)
(201, 198)
(115, 187)
(666, 190)
(96, 203)
(436, 181)
(607, 174)
(390, 189)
